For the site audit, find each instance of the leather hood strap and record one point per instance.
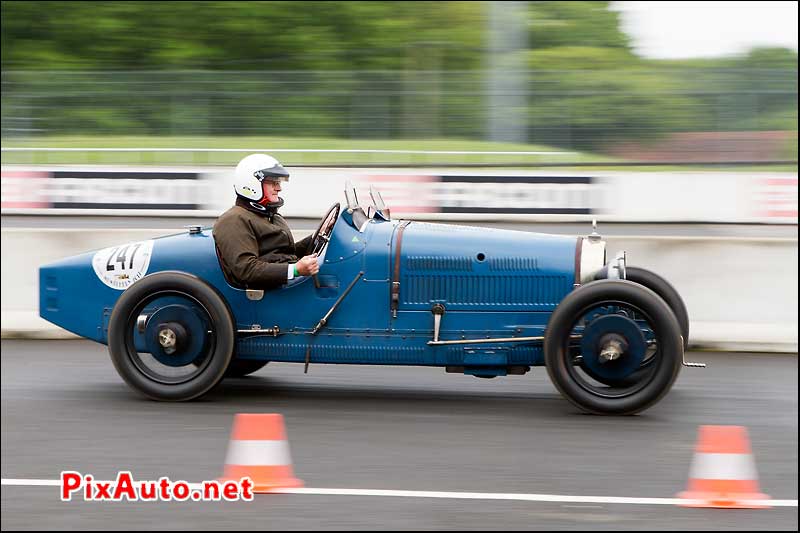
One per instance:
(395, 287)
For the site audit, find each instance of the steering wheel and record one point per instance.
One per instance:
(322, 235)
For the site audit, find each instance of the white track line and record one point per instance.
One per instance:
(559, 498)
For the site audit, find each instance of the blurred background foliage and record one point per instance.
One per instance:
(367, 70)
(240, 35)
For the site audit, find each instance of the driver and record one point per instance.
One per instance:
(254, 244)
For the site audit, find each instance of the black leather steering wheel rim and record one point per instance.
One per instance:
(320, 240)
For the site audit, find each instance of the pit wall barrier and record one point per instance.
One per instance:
(741, 292)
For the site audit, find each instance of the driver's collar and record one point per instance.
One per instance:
(269, 211)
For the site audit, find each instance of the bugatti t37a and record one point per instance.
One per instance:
(477, 301)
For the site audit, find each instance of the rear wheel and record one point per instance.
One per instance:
(612, 325)
(171, 336)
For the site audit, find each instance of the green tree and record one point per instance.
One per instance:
(358, 68)
(583, 24)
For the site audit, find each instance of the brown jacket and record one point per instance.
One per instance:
(254, 249)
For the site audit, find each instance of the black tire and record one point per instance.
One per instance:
(651, 385)
(667, 292)
(217, 346)
(240, 368)
(673, 299)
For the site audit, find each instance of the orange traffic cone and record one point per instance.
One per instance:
(258, 449)
(723, 472)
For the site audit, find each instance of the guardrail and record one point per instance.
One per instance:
(288, 150)
(357, 157)
(201, 156)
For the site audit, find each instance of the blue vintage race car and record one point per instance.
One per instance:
(478, 301)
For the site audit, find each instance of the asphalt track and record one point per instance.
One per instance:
(415, 429)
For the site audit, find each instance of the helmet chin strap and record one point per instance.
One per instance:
(266, 207)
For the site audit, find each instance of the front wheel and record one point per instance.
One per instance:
(667, 292)
(671, 297)
(171, 336)
(611, 326)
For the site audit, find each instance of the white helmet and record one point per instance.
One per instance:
(254, 169)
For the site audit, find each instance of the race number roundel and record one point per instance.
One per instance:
(120, 266)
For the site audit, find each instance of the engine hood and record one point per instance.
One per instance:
(470, 268)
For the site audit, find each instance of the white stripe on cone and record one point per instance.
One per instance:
(734, 466)
(258, 453)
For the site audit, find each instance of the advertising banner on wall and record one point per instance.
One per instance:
(102, 189)
(454, 194)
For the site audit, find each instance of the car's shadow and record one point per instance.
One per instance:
(525, 397)
(257, 391)
(265, 394)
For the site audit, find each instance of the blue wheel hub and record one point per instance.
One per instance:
(176, 335)
(618, 331)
